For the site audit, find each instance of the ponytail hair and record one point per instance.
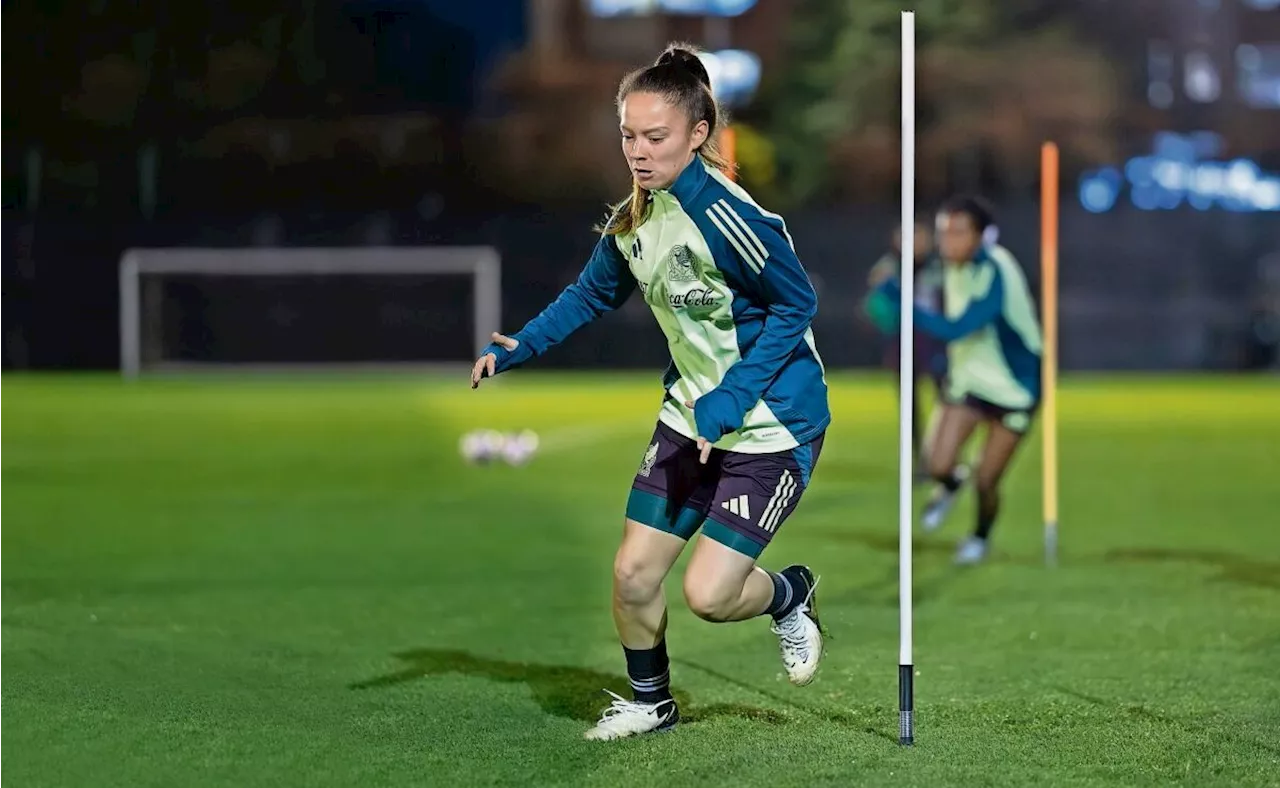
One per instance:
(679, 76)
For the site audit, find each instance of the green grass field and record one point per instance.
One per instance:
(297, 582)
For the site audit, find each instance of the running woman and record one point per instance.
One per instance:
(993, 376)
(745, 408)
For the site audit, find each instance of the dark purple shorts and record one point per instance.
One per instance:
(740, 500)
(1017, 421)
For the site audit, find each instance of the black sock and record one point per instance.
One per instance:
(984, 527)
(950, 482)
(988, 508)
(650, 673)
(790, 588)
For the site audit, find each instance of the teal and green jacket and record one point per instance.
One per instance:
(722, 278)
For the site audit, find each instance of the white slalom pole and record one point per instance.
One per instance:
(906, 372)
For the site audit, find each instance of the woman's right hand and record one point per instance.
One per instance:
(484, 366)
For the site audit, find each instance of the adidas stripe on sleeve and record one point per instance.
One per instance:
(755, 254)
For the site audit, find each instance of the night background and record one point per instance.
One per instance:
(258, 558)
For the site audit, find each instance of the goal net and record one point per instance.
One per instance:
(281, 309)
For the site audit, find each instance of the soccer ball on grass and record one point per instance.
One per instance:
(481, 447)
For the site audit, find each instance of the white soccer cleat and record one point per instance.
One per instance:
(800, 640)
(939, 506)
(971, 551)
(630, 718)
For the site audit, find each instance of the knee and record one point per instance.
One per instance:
(708, 601)
(635, 579)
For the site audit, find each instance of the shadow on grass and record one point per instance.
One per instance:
(887, 542)
(561, 691)
(928, 584)
(1231, 568)
(1142, 712)
(841, 718)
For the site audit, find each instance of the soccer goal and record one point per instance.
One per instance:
(319, 308)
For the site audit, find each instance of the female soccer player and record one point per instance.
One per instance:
(930, 353)
(745, 406)
(994, 346)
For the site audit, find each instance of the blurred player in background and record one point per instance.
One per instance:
(745, 408)
(993, 374)
(930, 353)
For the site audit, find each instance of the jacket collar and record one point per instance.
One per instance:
(690, 180)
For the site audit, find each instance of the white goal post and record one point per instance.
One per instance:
(482, 263)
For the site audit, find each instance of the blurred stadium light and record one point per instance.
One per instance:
(1258, 74)
(735, 75)
(727, 8)
(1181, 169)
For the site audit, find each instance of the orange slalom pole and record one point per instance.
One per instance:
(1049, 370)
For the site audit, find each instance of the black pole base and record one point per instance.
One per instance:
(906, 705)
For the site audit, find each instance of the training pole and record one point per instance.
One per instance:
(1049, 368)
(906, 374)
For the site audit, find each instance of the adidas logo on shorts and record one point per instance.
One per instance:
(738, 506)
